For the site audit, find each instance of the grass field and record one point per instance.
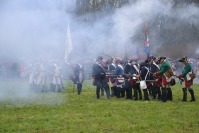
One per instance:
(27, 112)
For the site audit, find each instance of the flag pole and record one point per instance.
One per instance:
(69, 45)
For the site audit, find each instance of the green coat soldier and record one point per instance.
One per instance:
(188, 80)
(166, 73)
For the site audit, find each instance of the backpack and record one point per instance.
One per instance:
(192, 75)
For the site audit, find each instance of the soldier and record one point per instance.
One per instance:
(167, 74)
(188, 80)
(51, 77)
(136, 86)
(79, 76)
(41, 80)
(119, 71)
(112, 81)
(153, 67)
(99, 77)
(57, 79)
(144, 75)
(128, 80)
(33, 78)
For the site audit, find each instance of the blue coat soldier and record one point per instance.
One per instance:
(136, 87)
(127, 85)
(144, 75)
(111, 70)
(153, 68)
(79, 76)
(99, 77)
(119, 71)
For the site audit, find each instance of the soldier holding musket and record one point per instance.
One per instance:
(112, 81)
(144, 76)
(167, 74)
(119, 71)
(156, 84)
(128, 80)
(188, 77)
(79, 75)
(135, 79)
(99, 77)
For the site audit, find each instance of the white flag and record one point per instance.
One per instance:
(69, 45)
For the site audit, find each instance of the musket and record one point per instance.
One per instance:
(149, 80)
(180, 79)
(115, 77)
(123, 75)
(112, 75)
(128, 75)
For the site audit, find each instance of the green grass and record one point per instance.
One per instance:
(71, 113)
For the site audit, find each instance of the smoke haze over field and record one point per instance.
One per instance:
(31, 29)
(37, 29)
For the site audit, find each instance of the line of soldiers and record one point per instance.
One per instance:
(129, 78)
(37, 78)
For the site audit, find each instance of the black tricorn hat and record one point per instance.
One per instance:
(157, 62)
(153, 58)
(133, 60)
(149, 59)
(117, 60)
(161, 57)
(183, 59)
(99, 58)
(108, 61)
(142, 64)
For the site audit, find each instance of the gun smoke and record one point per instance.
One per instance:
(35, 30)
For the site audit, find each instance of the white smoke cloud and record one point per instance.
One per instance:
(40, 26)
(130, 20)
(197, 51)
(32, 26)
(36, 29)
(30, 29)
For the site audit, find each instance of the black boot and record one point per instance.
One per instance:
(169, 94)
(98, 88)
(140, 94)
(79, 88)
(112, 93)
(135, 95)
(154, 91)
(164, 94)
(146, 95)
(107, 90)
(159, 93)
(123, 92)
(192, 95)
(102, 91)
(184, 99)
